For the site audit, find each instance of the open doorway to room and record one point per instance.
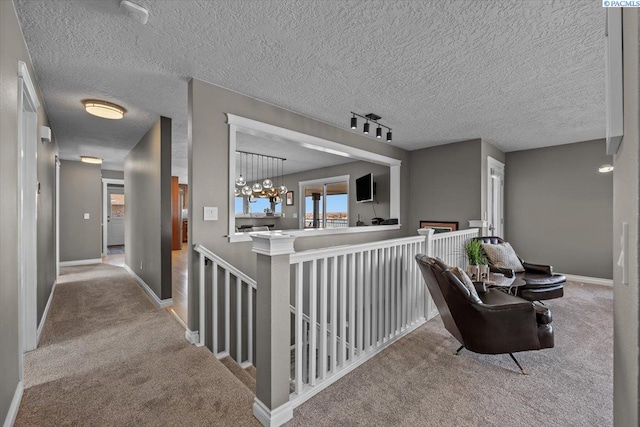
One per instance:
(180, 252)
(113, 217)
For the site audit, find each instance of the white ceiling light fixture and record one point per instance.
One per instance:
(91, 159)
(104, 109)
(135, 12)
(605, 169)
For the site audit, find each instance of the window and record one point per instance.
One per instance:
(256, 205)
(116, 206)
(326, 203)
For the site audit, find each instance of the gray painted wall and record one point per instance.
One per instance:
(111, 174)
(209, 174)
(445, 183)
(80, 193)
(558, 202)
(12, 50)
(626, 393)
(147, 173)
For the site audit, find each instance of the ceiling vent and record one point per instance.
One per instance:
(135, 12)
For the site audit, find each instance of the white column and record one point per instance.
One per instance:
(273, 328)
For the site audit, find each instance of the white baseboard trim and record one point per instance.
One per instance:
(160, 303)
(272, 418)
(15, 405)
(81, 262)
(587, 279)
(192, 336)
(45, 313)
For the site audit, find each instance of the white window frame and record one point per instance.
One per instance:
(243, 124)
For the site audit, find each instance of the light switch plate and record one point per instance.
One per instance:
(210, 213)
(87, 216)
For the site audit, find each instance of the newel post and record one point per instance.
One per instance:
(273, 328)
(428, 243)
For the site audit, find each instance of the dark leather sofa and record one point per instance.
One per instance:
(541, 282)
(493, 322)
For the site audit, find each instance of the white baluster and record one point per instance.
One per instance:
(352, 305)
(367, 301)
(375, 278)
(299, 309)
(360, 309)
(214, 306)
(238, 320)
(202, 278)
(343, 311)
(313, 308)
(334, 313)
(250, 324)
(323, 320)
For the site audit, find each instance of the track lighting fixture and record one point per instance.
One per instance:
(371, 117)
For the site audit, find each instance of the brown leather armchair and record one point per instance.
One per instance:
(493, 322)
(541, 282)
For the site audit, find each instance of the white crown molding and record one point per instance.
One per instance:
(81, 262)
(45, 314)
(15, 405)
(160, 303)
(587, 279)
(272, 418)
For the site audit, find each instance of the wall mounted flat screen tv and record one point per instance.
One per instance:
(364, 188)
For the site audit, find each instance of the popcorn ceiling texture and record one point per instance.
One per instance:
(519, 74)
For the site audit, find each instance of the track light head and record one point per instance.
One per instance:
(354, 122)
(389, 136)
(366, 128)
(379, 132)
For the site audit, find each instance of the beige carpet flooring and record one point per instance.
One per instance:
(419, 382)
(108, 357)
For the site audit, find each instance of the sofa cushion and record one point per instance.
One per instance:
(502, 255)
(466, 281)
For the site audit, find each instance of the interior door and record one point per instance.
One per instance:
(115, 216)
(495, 197)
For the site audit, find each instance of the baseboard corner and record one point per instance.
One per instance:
(272, 418)
(159, 303)
(192, 336)
(10, 419)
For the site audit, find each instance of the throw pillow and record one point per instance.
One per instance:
(502, 255)
(466, 281)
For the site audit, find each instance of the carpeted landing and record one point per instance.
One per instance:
(108, 357)
(419, 382)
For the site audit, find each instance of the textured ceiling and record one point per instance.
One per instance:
(519, 74)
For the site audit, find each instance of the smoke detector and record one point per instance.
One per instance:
(135, 12)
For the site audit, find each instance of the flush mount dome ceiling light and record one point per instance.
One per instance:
(91, 159)
(104, 109)
(605, 169)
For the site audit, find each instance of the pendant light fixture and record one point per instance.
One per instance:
(246, 189)
(371, 117)
(257, 187)
(282, 189)
(267, 183)
(240, 181)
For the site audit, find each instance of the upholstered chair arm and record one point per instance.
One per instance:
(481, 287)
(506, 271)
(538, 268)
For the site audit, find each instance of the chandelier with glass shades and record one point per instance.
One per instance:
(258, 176)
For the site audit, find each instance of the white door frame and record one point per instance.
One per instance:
(28, 104)
(495, 168)
(105, 209)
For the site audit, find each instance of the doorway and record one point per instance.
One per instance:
(27, 209)
(495, 197)
(113, 215)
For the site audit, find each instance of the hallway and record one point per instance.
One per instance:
(108, 357)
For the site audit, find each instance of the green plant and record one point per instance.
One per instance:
(474, 251)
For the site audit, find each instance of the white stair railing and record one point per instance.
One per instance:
(232, 310)
(361, 298)
(449, 247)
